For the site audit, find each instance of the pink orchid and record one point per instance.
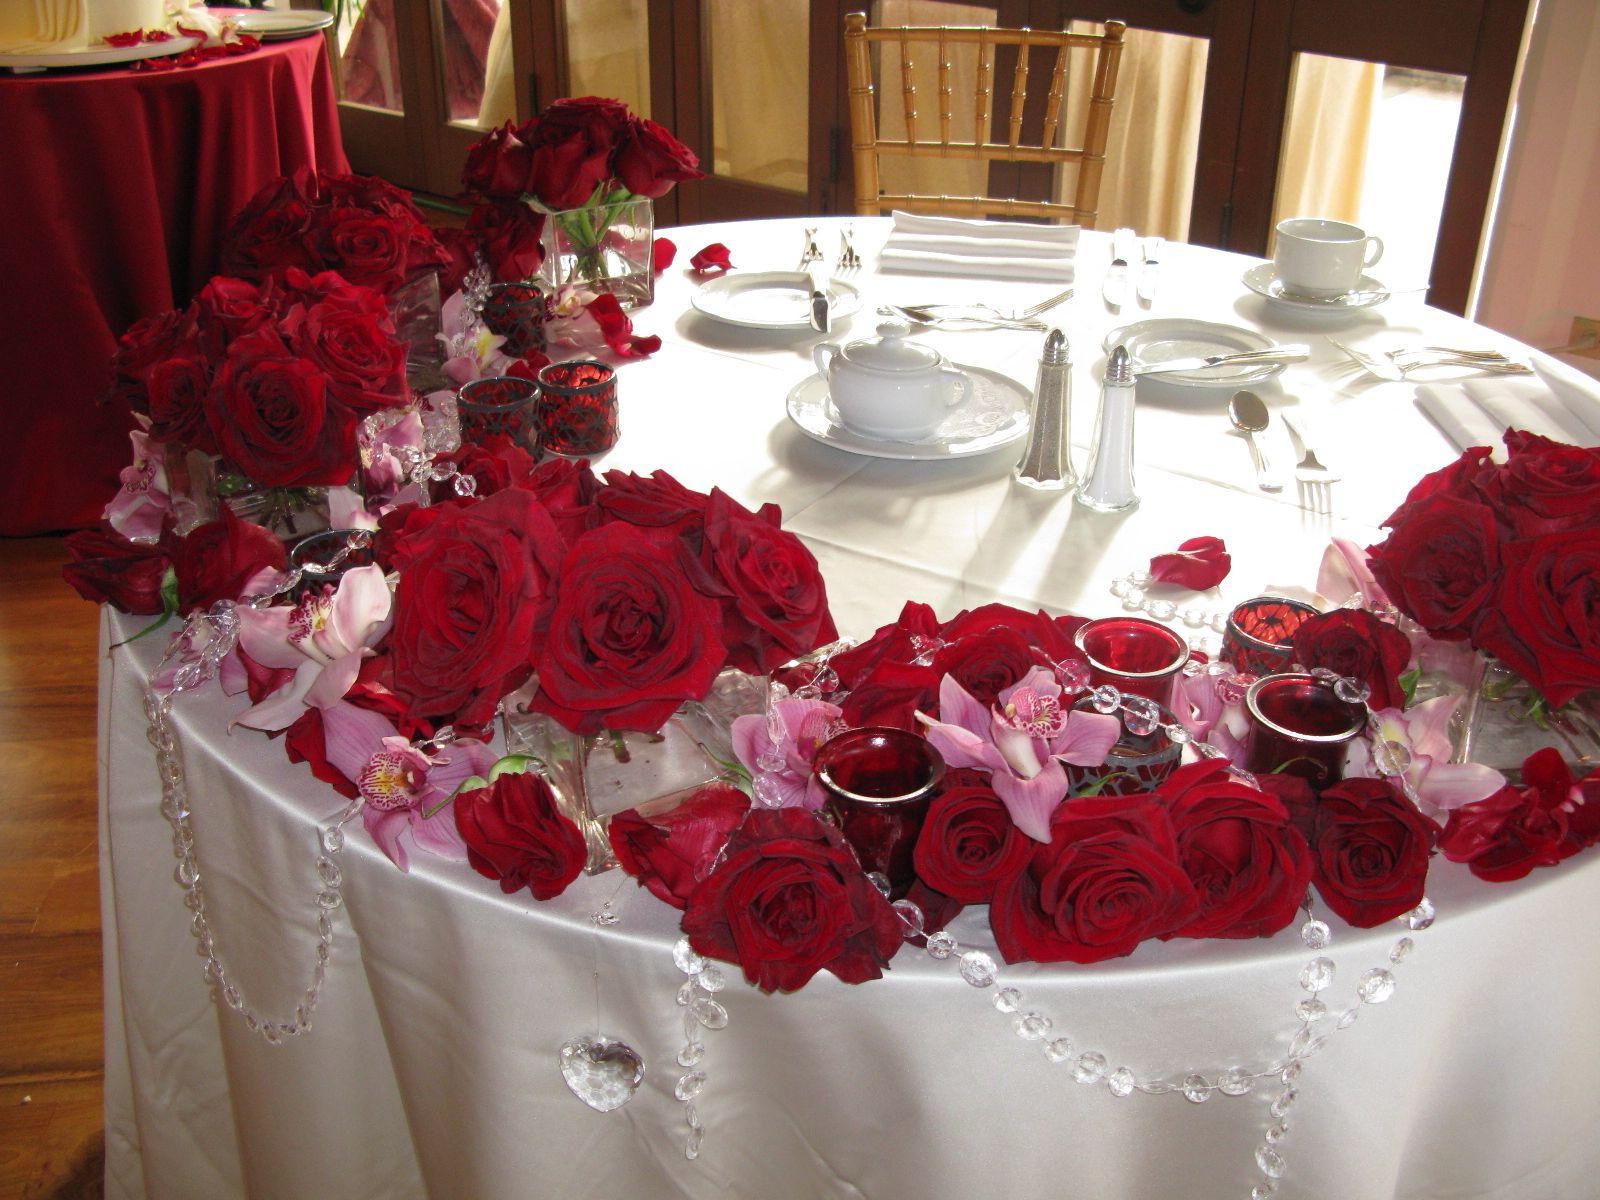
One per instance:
(322, 639)
(1201, 707)
(1344, 573)
(386, 456)
(470, 350)
(1423, 734)
(143, 502)
(1022, 742)
(801, 726)
(400, 784)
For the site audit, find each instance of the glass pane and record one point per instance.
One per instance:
(369, 55)
(478, 85)
(758, 58)
(608, 50)
(1372, 145)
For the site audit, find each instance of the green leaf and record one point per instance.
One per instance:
(169, 608)
(1100, 785)
(511, 764)
(1408, 685)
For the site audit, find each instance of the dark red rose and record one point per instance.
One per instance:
(507, 233)
(269, 233)
(775, 604)
(572, 142)
(714, 257)
(1248, 864)
(968, 845)
(273, 418)
(1550, 818)
(368, 248)
(304, 742)
(1460, 479)
(176, 388)
(671, 852)
(364, 362)
(149, 341)
(884, 683)
(1355, 644)
(105, 566)
(217, 560)
(662, 252)
(1544, 622)
(650, 160)
(657, 500)
(568, 490)
(938, 910)
(514, 833)
(1199, 563)
(498, 165)
(984, 663)
(1441, 564)
(1050, 636)
(897, 642)
(1108, 878)
(475, 590)
(630, 639)
(1545, 486)
(229, 308)
(495, 463)
(790, 900)
(1369, 851)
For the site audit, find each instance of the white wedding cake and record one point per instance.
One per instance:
(50, 26)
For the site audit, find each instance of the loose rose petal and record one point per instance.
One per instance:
(132, 37)
(713, 258)
(1199, 563)
(662, 252)
(618, 330)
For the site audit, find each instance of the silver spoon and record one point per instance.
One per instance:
(1249, 416)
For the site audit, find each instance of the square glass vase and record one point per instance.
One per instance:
(596, 776)
(290, 514)
(1502, 722)
(605, 247)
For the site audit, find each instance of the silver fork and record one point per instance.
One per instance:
(849, 261)
(973, 319)
(1392, 370)
(812, 252)
(1314, 480)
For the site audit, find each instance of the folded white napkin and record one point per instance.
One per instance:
(990, 249)
(1478, 412)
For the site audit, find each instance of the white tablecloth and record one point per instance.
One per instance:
(432, 1068)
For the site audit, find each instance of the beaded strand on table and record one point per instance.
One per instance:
(701, 1010)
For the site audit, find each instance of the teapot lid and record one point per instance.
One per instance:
(892, 350)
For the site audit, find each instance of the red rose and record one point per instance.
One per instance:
(515, 834)
(229, 308)
(650, 160)
(777, 605)
(714, 257)
(304, 742)
(1369, 851)
(671, 852)
(985, 663)
(1545, 486)
(572, 142)
(508, 232)
(1544, 622)
(1248, 864)
(1199, 563)
(495, 463)
(568, 490)
(1108, 878)
(474, 593)
(884, 684)
(108, 567)
(498, 165)
(1357, 645)
(149, 341)
(274, 420)
(657, 500)
(630, 639)
(1460, 479)
(269, 233)
(1441, 564)
(968, 845)
(1050, 636)
(789, 900)
(368, 248)
(1548, 819)
(364, 362)
(217, 560)
(176, 388)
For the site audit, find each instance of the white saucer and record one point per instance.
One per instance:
(278, 26)
(770, 299)
(994, 414)
(99, 55)
(1166, 338)
(1263, 281)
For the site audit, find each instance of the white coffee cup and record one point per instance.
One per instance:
(1321, 257)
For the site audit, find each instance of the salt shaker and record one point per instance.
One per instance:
(1108, 481)
(1047, 463)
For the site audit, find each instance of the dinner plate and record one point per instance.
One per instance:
(1263, 281)
(993, 414)
(1166, 338)
(277, 26)
(770, 299)
(99, 55)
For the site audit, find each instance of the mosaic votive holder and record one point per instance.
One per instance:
(499, 404)
(1134, 655)
(516, 311)
(1298, 726)
(1137, 763)
(880, 782)
(577, 414)
(1259, 639)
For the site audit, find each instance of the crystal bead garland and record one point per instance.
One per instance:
(194, 657)
(701, 1011)
(1130, 589)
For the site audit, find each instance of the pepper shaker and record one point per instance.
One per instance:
(1046, 465)
(1108, 481)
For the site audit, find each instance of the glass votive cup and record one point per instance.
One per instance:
(880, 782)
(323, 558)
(1134, 655)
(516, 311)
(577, 408)
(1298, 726)
(1138, 761)
(499, 404)
(1259, 638)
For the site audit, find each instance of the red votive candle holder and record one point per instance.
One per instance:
(1137, 763)
(499, 404)
(1259, 639)
(1135, 656)
(516, 311)
(577, 408)
(1298, 726)
(880, 782)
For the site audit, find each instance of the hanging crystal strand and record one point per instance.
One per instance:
(701, 1010)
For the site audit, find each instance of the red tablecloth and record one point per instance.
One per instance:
(114, 189)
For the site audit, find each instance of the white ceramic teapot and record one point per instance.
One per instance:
(889, 386)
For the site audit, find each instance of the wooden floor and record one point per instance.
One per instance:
(51, 1059)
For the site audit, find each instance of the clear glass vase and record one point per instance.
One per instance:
(1503, 721)
(604, 246)
(289, 513)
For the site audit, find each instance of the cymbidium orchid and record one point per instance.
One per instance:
(1022, 742)
(322, 639)
(1422, 737)
(471, 351)
(1344, 573)
(778, 748)
(1210, 707)
(145, 499)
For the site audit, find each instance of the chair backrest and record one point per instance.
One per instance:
(867, 146)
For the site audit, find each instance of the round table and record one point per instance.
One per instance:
(117, 189)
(432, 1068)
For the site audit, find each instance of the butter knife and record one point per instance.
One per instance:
(1115, 287)
(821, 318)
(1271, 356)
(1150, 272)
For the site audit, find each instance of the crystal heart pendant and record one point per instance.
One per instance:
(602, 1071)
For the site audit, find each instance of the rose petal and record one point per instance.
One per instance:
(1199, 563)
(713, 258)
(662, 252)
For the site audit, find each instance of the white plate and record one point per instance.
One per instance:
(994, 414)
(1166, 338)
(1263, 281)
(99, 55)
(770, 299)
(278, 26)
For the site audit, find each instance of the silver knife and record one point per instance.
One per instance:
(821, 318)
(1115, 287)
(1270, 356)
(1150, 272)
